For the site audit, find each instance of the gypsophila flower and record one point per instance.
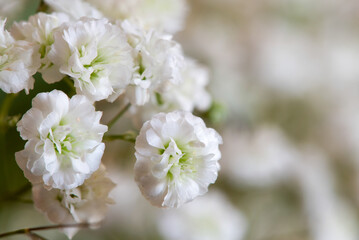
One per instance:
(96, 55)
(11, 10)
(264, 157)
(64, 140)
(39, 30)
(187, 96)
(18, 62)
(86, 203)
(211, 217)
(177, 158)
(158, 60)
(74, 8)
(163, 15)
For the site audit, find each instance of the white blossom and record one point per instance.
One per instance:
(186, 96)
(210, 217)
(12, 10)
(177, 158)
(86, 203)
(163, 15)
(158, 60)
(39, 30)
(262, 158)
(96, 55)
(131, 213)
(74, 8)
(18, 62)
(330, 217)
(64, 140)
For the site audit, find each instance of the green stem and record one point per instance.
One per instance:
(129, 137)
(118, 116)
(70, 83)
(4, 110)
(60, 226)
(9, 98)
(42, 7)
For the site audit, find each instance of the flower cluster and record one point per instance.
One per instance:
(102, 55)
(18, 62)
(87, 202)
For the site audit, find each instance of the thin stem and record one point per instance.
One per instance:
(129, 137)
(9, 98)
(42, 228)
(42, 6)
(4, 110)
(70, 83)
(118, 116)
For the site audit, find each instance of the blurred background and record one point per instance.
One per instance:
(285, 83)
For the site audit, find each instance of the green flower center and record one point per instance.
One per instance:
(64, 143)
(181, 160)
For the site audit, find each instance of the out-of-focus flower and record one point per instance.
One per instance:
(132, 214)
(211, 217)
(96, 55)
(330, 217)
(11, 10)
(177, 158)
(261, 159)
(39, 30)
(86, 203)
(18, 62)
(74, 8)
(163, 15)
(288, 60)
(186, 96)
(64, 140)
(158, 60)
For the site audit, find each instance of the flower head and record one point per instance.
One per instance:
(177, 158)
(264, 157)
(164, 15)
(158, 62)
(211, 217)
(64, 140)
(189, 94)
(74, 8)
(39, 30)
(96, 55)
(18, 62)
(85, 203)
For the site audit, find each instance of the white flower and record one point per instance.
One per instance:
(74, 8)
(211, 217)
(158, 59)
(177, 158)
(39, 30)
(12, 10)
(18, 62)
(64, 140)
(86, 203)
(96, 55)
(131, 213)
(186, 96)
(163, 15)
(191, 93)
(330, 217)
(262, 158)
